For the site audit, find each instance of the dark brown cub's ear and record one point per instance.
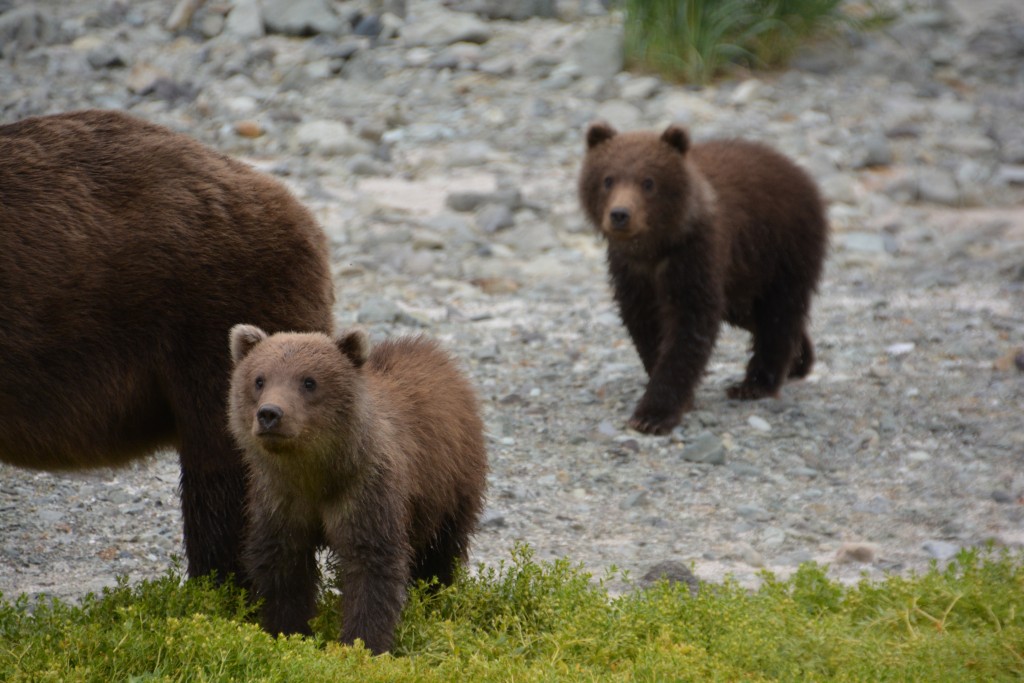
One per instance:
(356, 345)
(243, 339)
(677, 137)
(598, 132)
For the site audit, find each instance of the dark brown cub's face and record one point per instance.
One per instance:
(626, 199)
(631, 182)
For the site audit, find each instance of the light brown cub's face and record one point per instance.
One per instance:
(631, 183)
(291, 392)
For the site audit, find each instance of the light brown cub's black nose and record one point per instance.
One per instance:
(269, 416)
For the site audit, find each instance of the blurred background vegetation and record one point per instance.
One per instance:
(696, 40)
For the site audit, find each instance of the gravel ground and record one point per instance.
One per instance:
(441, 158)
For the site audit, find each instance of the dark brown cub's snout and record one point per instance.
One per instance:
(619, 218)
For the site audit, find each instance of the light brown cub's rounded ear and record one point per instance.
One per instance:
(355, 344)
(243, 339)
(598, 132)
(677, 137)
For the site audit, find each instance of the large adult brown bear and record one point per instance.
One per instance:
(724, 230)
(127, 252)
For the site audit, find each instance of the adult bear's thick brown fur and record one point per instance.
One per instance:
(378, 456)
(127, 252)
(726, 230)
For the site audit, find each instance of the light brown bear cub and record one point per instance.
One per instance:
(378, 456)
(724, 230)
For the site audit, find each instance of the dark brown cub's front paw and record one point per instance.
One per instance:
(746, 391)
(654, 421)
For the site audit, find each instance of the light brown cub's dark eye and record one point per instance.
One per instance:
(647, 185)
(608, 182)
(259, 382)
(309, 383)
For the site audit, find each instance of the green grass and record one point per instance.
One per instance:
(538, 621)
(697, 40)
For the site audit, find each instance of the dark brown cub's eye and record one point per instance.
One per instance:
(309, 383)
(608, 182)
(647, 185)
(259, 382)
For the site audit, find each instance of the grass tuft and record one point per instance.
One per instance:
(697, 40)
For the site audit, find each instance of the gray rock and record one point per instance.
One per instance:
(705, 448)
(469, 153)
(378, 310)
(105, 56)
(492, 519)
(117, 496)
(940, 550)
(494, 217)
(621, 114)
(515, 10)
(369, 25)
(641, 88)
(1010, 175)
(759, 423)
(754, 512)
(746, 92)
(27, 27)
(419, 263)
(748, 554)
(362, 164)
(601, 52)
(672, 571)
(745, 469)
(808, 472)
(954, 111)
(330, 138)
(444, 28)
(301, 17)
(529, 238)
(471, 201)
(50, 516)
(773, 538)
(487, 353)
(839, 188)
(861, 242)
(211, 25)
(1001, 496)
(938, 186)
(873, 149)
(635, 500)
(245, 21)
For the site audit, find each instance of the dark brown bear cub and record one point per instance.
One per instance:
(725, 230)
(378, 456)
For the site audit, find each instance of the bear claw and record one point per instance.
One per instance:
(653, 425)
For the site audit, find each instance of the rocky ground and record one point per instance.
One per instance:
(440, 148)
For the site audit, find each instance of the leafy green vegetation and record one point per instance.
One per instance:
(538, 621)
(696, 40)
